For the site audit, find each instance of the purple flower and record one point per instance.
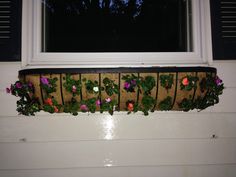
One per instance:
(126, 85)
(84, 107)
(30, 84)
(44, 80)
(98, 102)
(218, 81)
(133, 82)
(8, 90)
(18, 85)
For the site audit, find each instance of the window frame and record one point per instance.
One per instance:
(32, 57)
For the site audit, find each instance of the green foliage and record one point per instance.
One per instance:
(108, 106)
(166, 104)
(147, 84)
(167, 80)
(148, 104)
(110, 87)
(214, 87)
(28, 104)
(186, 104)
(72, 107)
(71, 85)
(90, 103)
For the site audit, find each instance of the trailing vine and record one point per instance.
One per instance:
(210, 86)
(166, 81)
(166, 104)
(28, 104)
(110, 87)
(48, 85)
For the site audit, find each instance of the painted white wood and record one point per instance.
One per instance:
(153, 171)
(116, 153)
(34, 57)
(106, 127)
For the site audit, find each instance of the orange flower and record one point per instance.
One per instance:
(56, 109)
(130, 107)
(185, 81)
(48, 101)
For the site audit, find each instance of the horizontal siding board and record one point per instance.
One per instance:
(116, 153)
(154, 171)
(97, 127)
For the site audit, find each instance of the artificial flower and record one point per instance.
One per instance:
(74, 88)
(48, 101)
(218, 81)
(44, 80)
(126, 85)
(108, 100)
(18, 85)
(185, 81)
(130, 107)
(84, 107)
(95, 89)
(98, 102)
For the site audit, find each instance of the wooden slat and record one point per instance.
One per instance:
(116, 153)
(222, 170)
(119, 126)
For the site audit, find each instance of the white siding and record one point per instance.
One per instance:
(164, 144)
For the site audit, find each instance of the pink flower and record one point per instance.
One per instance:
(98, 102)
(56, 109)
(133, 82)
(44, 80)
(18, 85)
(126, 85)
(74, 88)
(84, 107)
(108, 100)
(218, 81)
(8, 90)
(185, 81)
(30, 84)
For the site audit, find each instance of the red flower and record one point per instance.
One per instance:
(48, 101)
(130, 107)
(185, 81)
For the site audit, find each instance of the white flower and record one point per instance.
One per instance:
(95, 89)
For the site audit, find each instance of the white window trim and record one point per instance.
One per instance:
(32, 57)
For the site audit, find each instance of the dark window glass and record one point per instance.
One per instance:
(116, 26)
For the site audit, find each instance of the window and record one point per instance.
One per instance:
(115, 32)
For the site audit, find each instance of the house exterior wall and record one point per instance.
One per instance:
(175, 144)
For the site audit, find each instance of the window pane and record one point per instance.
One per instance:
(116, 26)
